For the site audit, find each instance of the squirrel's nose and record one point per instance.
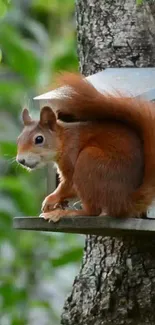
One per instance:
(22, 161)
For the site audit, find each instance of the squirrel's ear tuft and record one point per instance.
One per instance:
(47, 118)
(26, 117)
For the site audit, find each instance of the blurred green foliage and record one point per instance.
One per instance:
(37, 39)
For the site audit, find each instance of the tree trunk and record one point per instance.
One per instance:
(116, 283)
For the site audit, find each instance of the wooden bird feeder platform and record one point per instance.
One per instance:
(137, 82)
(100, 226)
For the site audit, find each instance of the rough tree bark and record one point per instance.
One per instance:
(116, 282)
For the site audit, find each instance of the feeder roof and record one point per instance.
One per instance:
(136, 82)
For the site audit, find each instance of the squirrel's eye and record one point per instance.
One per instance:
(39, 139)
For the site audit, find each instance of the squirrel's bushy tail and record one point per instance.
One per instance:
(81, 100)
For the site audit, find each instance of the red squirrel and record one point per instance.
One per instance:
(105, 157)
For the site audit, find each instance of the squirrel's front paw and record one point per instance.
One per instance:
(54, 216)
(50, 204)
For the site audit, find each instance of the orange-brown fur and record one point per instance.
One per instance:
(104, 162)
(107, 158)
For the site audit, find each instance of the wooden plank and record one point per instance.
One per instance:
(102, 226)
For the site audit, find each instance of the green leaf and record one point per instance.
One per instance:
(57, 7)
(72, 255)
(0, 55)
(7, 2)
(18, 55)
(3, 8)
